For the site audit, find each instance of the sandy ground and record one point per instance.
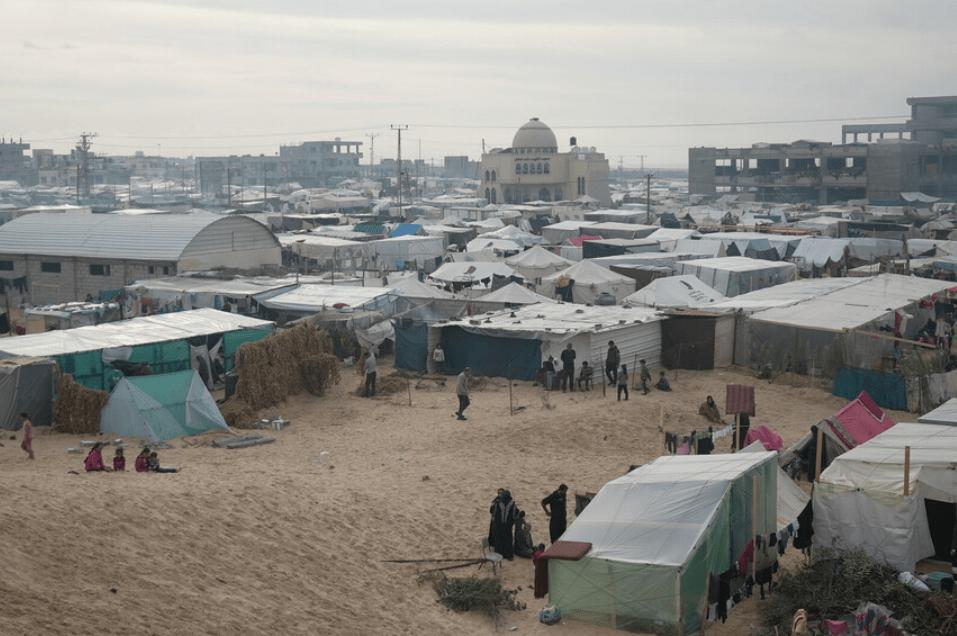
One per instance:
(290, 537)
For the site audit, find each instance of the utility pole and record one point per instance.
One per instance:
(372, 137)
(83, 173)
(399, 128)
(648, 200)
(642, 157)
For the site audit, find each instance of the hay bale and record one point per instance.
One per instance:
(77, 409)
(281, 365)
(238, 414)
(385, 385)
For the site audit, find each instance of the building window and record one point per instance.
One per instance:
(546, 168)
(538, 168)
(99, 270)
(581, 185)
(50, 267)
(493, 175)
(524, 168)
(487, 175)
(518, 168)
(6, 265)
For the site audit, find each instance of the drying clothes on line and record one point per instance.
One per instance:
(746, 557)
(19, 283)
(724, 432)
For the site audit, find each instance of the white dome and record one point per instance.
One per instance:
(535, 136)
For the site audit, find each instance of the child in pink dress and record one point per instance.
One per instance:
(94, 461)
(27, 444)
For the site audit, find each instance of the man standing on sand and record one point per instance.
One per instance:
(557, 519)
(370, 369)
(645, 376)
(568, 368)
(462, 391)
(611, 363)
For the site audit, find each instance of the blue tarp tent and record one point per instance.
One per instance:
(411, 345)
(515, 358)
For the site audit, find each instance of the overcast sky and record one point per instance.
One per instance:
(630, 77)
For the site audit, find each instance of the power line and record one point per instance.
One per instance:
(685, 125)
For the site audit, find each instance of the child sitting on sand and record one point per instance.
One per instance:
(94, 461)
(119, 462)
(154, 464)
(142, 461)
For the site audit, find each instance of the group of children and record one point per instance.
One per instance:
(146, 461)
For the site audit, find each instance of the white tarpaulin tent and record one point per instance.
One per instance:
(859, 500)
(161, 407)
(733, 275)
(590, 281)
(537, 262)
(657, 535)
(514, 294)
(674, 291)
(512, 233)
(791, 499)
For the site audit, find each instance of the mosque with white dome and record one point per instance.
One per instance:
(534, 170)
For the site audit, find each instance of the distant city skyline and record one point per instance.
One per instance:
(642, 82)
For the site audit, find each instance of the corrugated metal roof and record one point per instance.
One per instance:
(159, 237)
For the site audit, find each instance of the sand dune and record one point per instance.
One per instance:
(289, 538)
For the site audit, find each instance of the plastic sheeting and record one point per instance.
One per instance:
(411, 346)
(657, 534)
(161, 407)
(28, 388)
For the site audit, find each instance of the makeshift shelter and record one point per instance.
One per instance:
(511, 295)
(859, 421)
(504, 247)
(163, 341)
(733, 275)
(288, 304)
(512, 233)
(791, 499)
(657, 536)
(896, 505)
(537, 263)
(513, 343)
(466, 274)
(584, 282)
(161, 407)
(26, 386)
(558, 233)
(412, 252)
(684, 291)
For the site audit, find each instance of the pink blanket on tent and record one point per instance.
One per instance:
(767, 437)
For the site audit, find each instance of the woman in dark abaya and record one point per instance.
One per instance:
(504, 513)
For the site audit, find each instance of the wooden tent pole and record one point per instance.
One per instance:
(906, 471)
(820, 454)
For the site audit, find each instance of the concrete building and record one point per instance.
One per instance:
(322, 163)
(53, 258)
(14, 164)
(874, 161)
(533, 169)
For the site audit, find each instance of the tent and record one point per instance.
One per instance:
(589, 282)
(673, 292)
(537, 262)
(853, 425)
(860, 499)
(26, 386)
(657, 535)
(161, 407)
(791, 499)
(512, 233)
(511, 295)
(733, 275)
(946, 413)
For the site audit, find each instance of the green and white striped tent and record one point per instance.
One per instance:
(161, 407)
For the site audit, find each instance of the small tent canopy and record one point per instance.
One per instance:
(684, 290)
(657, 534)
(589, 282)
(860, 501)
(514, 294)
(512, 233)
(161, 407)
(537, 262)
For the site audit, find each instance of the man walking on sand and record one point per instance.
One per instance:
(370, 370)
(568, 368)
(462, 391)
(645, 376)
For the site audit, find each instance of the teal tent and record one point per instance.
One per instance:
(161, 407)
